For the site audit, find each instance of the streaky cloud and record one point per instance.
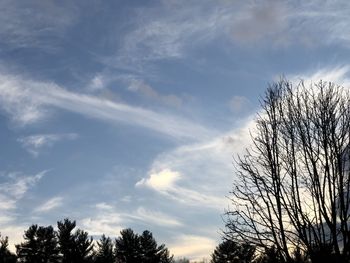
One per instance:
(28, 101)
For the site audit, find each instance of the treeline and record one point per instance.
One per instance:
(69, 245)
(43, 244)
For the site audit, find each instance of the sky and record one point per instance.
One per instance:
(128, 113)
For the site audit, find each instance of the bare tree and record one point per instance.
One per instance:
(292, 188)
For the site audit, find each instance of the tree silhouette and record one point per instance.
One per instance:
(128, 247)
(104, 253)
(132, 248)
(40, 245)
(230, 251)
(292, 187)
(5, 254)
(66, 240)
(74, 247)
(150, 251)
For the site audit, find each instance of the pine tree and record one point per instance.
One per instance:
(74, 247)
(40, 245)
(104, 253)
(231, 252)
(128, 247)
(5, 254)
(132, 248)
(82, 247)
(66, 240)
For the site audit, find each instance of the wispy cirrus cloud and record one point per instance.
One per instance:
(13, 189)
(34, 143)
(34, 23)
(17, 185)
(49, 205)
(159, 33)
(27, 101)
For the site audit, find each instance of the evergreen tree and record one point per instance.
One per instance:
(74, 247)
(40, 245)
(104, 253)
(5, 255)
(232, 252)
(66, 240)
(128, 247)
(82, 247)
(150, 251)
(132, 248)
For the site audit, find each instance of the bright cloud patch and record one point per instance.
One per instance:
(163, 180)
(192, 246)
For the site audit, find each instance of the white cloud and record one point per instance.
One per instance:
(337, 74)
(50, 204)
(162, 180)
(192, 246)
(199, 173)
(34, 143)
(19, 184)
(22, 98)
(97, 83)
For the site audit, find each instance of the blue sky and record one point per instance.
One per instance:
(127, 113)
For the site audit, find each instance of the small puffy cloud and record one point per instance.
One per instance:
(35, 142)
(50, 204)
(162, 180)
(97, 83)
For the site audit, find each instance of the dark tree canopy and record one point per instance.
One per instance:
(5, 254)
(39, 246)
(74, 247)
(104, 253)
(66, 240)
(67, 245)
(132, 248)
(232, 252)
(292, 188)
